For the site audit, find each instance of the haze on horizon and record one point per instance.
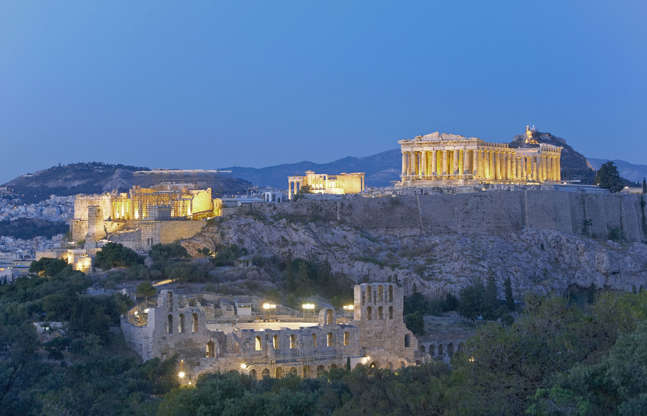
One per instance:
(211, 84)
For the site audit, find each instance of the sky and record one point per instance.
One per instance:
(210, 84)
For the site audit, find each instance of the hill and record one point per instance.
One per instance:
(382, 169)
(627, 170)
(96, 177)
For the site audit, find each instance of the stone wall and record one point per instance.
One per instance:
(596, 215)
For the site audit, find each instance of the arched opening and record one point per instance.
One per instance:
(211, 351)
(333, 366)
(314, 340)
(265, 373)
(194, 327)
(390, 293)
(368, 293)
(432, 350)
(275, 342)
(450, 349)
(321, 370)
(363, 297)
(390, 312)
(373, 365)
(170, 301)
(460, 347)
(169, 325)
(293, 341)
(380, 293)
(306, 371)
(440, 350)
(329, 320)
(258, 346)
(293, 371)
(252, 374)
(279, 372)
(407, 341)
(330, 340)
(380, 313)
(346, 338)
(422, 348)
(180, 327)
(402, 364)
(389, 365)
(369, 312)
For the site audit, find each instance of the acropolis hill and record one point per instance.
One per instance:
(544, 240)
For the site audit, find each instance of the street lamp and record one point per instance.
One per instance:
(267, 307)
(307, 307)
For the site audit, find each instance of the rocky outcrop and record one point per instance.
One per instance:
(472, 236)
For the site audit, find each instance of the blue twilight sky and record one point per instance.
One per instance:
(206, 84)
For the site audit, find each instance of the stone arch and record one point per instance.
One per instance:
(180, 326)
(407, 341)
(422, 348)
(440, 350)
(380, 313)
(169, 324)
(258, 343)
(403, 364)
(265, 373)
(211, 349)
(306, 371)
(389, 365)
(252, 374)
(194, 326)
(390, 293)
(327, 317)
(293, 371)
(374, 364)
(278, 373)
(330, 339)
(321, 370)
(333, 366)
(369, 312)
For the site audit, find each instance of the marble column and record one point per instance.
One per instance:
(433, 163)
(455, 164)
(443, 170)
(475, 163)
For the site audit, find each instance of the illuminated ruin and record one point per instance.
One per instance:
(321, 183)
(440, 158)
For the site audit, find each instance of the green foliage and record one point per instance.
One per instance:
(608, 177)
(644, 186)
(161, 253)
(28, 228)
(145, 290)
(116, 255)
(48, 266)
(478, 301)
(302, 278)
(509, 299)
(227, 255)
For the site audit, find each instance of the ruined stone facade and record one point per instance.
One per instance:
(321, 183)
(439, 158)
(376, 337)
(144, 216)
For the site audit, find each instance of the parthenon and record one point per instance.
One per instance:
(441, 158)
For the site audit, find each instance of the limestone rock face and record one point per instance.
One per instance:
(535, 259)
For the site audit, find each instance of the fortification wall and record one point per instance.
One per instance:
(170, 231)
(596, 215)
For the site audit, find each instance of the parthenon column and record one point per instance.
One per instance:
(455, 165)
(434, 165)
(443, 167)
(475, 163)
(404, 163)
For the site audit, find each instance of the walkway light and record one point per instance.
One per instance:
(243, 366)
(308, 306)
(181, 374)
(268, 306)
(349, 307)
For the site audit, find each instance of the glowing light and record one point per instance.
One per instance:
(181, 374)
(308, 306)
(243, 366)
(471, 359)
(349, 307)
(146, 310)
(268, 306)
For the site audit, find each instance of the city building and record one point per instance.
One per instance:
(321, 183)
(450, 159)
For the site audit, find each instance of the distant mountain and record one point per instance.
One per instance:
(381, 170)
(627, 170)
(95, 177)
(574, 165)
(384, 168)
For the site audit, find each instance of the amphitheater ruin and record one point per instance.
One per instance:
(206, 339)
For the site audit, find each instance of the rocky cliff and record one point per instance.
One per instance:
(544, 241)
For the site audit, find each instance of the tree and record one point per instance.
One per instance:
(116, 255)
(47, 266)
(470, 303)
(509, 300)
(644, 186)
(608, 177)
(490, 299)
(145, 290)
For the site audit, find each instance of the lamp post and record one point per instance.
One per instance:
(307, 307)
(268, 307)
